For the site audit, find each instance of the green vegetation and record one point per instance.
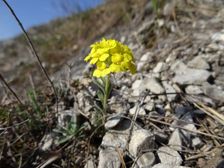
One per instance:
(69, 132)
(157, 6)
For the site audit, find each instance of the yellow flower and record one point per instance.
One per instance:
(110, 56)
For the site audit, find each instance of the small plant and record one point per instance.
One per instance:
(157, 6)
(33, 101)
(35, 112)
(109, 57)
(68, 132)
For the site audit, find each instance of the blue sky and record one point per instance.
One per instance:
(35, 12)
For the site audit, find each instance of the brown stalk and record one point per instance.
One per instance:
(197, 132)
(10, 89)
(31, 45)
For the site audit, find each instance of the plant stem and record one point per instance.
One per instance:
(107, 93)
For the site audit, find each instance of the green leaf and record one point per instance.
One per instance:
(100, 95)
(99, 85)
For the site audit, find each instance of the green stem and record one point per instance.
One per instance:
(107, 92)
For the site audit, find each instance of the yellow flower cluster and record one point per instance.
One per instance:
(110, 56)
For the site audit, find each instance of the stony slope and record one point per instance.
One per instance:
(58, 42)
(179, 57)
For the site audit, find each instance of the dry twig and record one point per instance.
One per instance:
(211, 112)
(34, 52)
(10, 89)
(197, 132)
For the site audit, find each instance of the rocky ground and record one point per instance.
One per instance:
(169, 114)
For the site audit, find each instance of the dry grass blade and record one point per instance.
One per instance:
(208, 110)
(203, 154)
(34, 52)
(200, 155)
(49, 161)
(10, 89)
(134, 118)
(197, 132)
(211, 112)
(120, 153)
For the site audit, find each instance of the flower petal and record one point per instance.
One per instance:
(103, 57)
(87, 58)
(115, 68)
(101, 65)
(97, 73)
(116, 58)
(93, 60)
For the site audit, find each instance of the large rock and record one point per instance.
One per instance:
(192, 76)
(198, 63)
(187, 76)
(213, 92)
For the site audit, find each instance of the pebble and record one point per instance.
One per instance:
(90, 164)
(169, 156)
(197, 142)
(46, 142)
(178, 67)
(149, 106)
(170, 91)
(193, 89)
(144, 60)
(146, 160)
(141, 140)
(175, 141)
(116, 140)
(137, 88)
(161, 165)
(109, 158)
(112, 122)
(160, 67)
(218, 37)
(141, 111)
(153, 85)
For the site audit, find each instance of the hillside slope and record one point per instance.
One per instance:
(59, 41)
